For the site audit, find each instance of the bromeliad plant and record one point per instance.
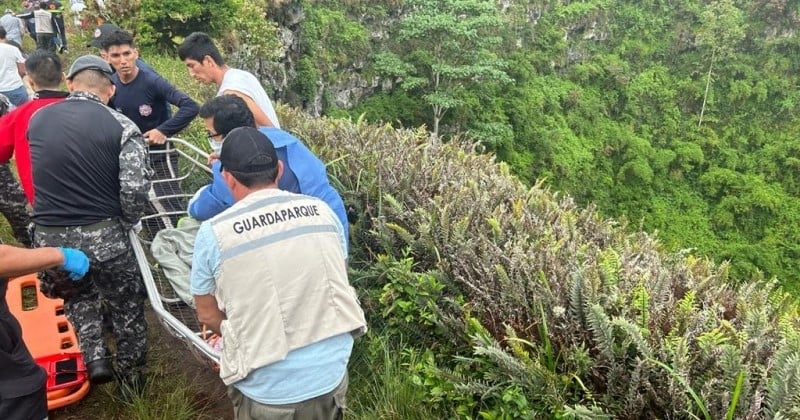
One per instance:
(564, 314)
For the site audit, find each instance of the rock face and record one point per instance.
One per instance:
(307, 77)
(322, 84)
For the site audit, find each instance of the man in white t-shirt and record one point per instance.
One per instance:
(206, 65)
(12, 68)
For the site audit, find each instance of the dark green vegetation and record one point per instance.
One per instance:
(679, 116)
(505, 302)
(492, 299)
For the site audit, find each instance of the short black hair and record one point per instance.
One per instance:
(197, 46)
(115, 39)
(255, 179)
(45, 68)
(229, 112)
(2, 32)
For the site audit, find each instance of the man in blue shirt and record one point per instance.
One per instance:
(303, 172)
(145, 98)
(269, 275)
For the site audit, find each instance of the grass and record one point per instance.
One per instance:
(5, 233)
(178, 388)
(380, 384)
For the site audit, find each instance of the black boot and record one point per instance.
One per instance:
(100, 371)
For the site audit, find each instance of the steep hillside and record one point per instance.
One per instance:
(679, 116)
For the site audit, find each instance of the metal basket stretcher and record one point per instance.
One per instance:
(182, 171)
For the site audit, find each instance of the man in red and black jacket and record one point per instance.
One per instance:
(45, 74)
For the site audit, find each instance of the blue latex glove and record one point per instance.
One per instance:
(76, 262)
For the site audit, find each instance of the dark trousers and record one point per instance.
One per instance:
(31, 26)
(28, 407)
(58, 22)
(14, 206)
(116, 286)
(45, 42)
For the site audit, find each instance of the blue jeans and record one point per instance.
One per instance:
(17, 96)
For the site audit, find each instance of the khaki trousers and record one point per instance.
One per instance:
(328, 406)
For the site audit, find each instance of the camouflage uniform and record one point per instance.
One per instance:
(13, 205)
(117, 282)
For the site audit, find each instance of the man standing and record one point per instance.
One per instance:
(100, 34)
(269, 275)
(12, 68)
(13, 27)
(145, 98)
(45, 32)
(23, 392)
(206, 65)
(44, 73)
(91, 180)
(27, 17)
(303, 172)
(56, 9)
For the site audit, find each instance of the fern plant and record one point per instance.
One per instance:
(525, 258)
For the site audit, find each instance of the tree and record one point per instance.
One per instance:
(443, 50)
(722, 27)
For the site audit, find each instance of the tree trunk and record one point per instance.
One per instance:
(708, 85)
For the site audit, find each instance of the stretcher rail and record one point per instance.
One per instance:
(180, 170)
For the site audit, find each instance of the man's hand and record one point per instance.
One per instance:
(75, 262)
(155, 137)
(212, 157)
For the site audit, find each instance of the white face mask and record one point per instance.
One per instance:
(216, 146)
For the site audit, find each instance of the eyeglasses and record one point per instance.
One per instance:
(210, 136)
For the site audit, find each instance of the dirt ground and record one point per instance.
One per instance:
(169, 362)
(211, 392)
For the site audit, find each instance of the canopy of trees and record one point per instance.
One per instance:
(680, 116)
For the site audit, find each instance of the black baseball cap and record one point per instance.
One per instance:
(101, 32)
(246, 150)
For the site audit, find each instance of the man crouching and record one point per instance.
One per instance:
(277, 293)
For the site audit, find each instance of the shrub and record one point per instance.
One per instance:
(565, 313)
(239, 25)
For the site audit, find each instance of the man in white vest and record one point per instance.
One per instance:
(269, 276)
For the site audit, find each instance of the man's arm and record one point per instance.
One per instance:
(134, 174)
(208, 312)
(19, 261)
(212, 199)
(261, 118)
(20, 62)
(205, 269)
(187, 110)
